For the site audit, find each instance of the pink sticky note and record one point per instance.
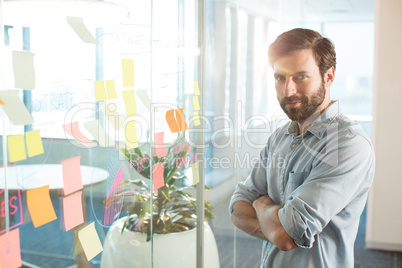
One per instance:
(71, 175)
(10, 253)
(72, 208)
(117, 181)
(159, 145)
(157, 171)
(73, 130)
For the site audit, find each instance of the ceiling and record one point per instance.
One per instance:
(310, 10)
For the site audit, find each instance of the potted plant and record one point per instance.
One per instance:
(174, 217)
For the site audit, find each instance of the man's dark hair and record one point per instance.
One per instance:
(298, 39)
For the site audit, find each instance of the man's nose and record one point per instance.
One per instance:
(290, 87)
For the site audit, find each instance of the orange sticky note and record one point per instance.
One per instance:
(111, 89)
(160, 145)
(128, 72)
(1, 101)
(196, 88)
(40, 206)
(100, 92)
(157, 171)
(10, 252)
(71, 175)
(73, 130)
(181, 121)
(72, 210)
(90, 242)
(129, 102)
(171, 120)
(34, 143)
(16, 148)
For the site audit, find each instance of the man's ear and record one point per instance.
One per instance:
(329, 76)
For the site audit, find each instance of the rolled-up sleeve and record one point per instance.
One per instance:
(256, 183)
(328, 188)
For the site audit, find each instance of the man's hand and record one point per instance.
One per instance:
(271, 227)
(245, 218)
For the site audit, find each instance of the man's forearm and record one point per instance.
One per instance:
(244, 217)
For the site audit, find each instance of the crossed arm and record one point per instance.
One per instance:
(261, 220)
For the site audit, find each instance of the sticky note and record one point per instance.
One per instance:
(160, 145)
(90, 242)
(111, 90)
(196, 88)
(128, 72)
(71, 175)
(34, 143)
(195, 167)
(171, 120)
(16, 148)
(99, 133)
(40, 206)
(77, 24)
(1, 102)
(157, 171)
(196, 103)
(117, 181)
(10, 250)
(15, 109)
(131, 135)
(24, 70)
(72, 210)
(181, 121)
(114, 118)
(129, 102)
(196, 119)
(100, 92)
(73, 130)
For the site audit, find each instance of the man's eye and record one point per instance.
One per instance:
(302, 77)
(279, 78)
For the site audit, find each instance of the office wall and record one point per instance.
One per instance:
(384, 210)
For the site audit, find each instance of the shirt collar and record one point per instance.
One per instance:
(321, 123)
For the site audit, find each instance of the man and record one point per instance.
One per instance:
(305, 195)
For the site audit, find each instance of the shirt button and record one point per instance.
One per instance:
(293, 145)
(283, 171)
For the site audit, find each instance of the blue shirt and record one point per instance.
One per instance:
(321, 178)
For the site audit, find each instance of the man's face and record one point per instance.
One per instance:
(300, 88)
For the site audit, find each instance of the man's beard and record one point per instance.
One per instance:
(308, 105)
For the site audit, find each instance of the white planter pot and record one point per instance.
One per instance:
(175, 250)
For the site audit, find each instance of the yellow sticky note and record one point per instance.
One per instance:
(128, 72)
(40, 206)
(129, 102)
(111, 89)
(131, 135)
(16, 148)
(196, 103)
(34, 143)
(196, 172)
(196, 119)
(100, 91)
(90, 241)
(196, 88)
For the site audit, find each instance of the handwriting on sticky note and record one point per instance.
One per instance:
(99, 133)
(77, 24)
(24, 69)
(73, 130)
(15, 109)
(157, 171)
(129, 102)
(40, 206)
(195, 167)
(72, 210)
(114, 118)
(128, 72)
(196, 103)
(111, 90)
(117, 181)
(71, 175)
(196, 88)
(160, 145)
(10, 250)
(100, 91)
(16, 148)
(90, 242)
(34, 143)
(131, 135)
